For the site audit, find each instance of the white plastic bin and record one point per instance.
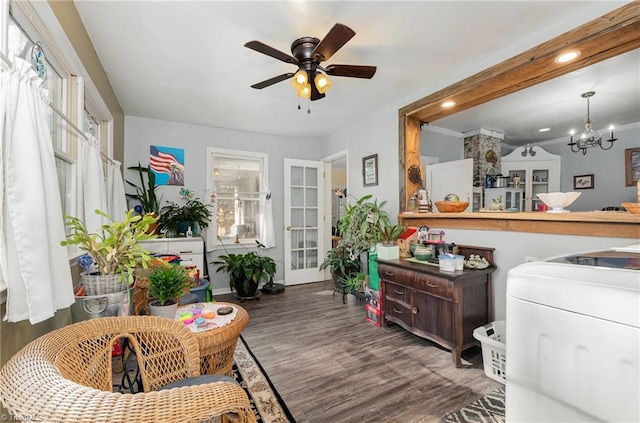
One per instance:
(493, 338)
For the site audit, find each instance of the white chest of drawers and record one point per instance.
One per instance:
(187, 248)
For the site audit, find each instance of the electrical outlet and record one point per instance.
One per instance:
(527, 259)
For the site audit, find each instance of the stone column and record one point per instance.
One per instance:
(484, 147)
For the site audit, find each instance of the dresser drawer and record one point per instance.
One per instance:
(397, 311)
(436, 286)
(397, 292)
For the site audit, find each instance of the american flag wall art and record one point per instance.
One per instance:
(167, 164)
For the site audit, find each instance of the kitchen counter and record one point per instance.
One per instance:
(601, 224)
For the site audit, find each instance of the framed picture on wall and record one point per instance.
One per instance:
(370, 170)
(583, 182)
(631, 166)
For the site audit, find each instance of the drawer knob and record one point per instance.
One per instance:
(395, 291)
(395, 310)
(432, 285)
(388, 273)
(414, 310)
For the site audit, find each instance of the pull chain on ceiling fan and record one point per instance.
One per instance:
(311, 80)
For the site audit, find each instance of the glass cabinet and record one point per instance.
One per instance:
(538, 174)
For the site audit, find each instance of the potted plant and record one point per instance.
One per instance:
(246, 271)
(176, 219)
(388, 234)
(342, 264)
(354, 284)
(366, 224)
(114, 251)
(166, 285)
(146, 195)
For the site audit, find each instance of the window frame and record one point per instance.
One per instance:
(211, 192)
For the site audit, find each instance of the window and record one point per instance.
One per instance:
(237, 181)
(68, 93)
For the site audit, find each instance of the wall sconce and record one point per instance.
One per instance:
(528, 151)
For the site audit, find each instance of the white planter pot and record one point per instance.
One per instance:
(168, 311)
(388, 252)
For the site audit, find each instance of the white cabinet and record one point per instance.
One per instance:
(189, 249)
(511, 198)
(538, 174)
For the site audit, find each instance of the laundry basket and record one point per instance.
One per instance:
(493, 338)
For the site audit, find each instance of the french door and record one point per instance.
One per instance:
(303, 221)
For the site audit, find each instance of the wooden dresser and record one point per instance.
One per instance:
(444, 307)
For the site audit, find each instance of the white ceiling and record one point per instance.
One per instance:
(185, 61)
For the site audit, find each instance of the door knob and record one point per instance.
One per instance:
(288, 228)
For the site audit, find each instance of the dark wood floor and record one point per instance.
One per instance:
(330, 365)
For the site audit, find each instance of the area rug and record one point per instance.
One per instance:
(265, 400)
(488, 409)
(266, 403)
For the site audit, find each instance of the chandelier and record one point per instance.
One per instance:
(589, 137)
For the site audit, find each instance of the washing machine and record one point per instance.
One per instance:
(573, 338)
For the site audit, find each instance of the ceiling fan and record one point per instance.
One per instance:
(311, 81)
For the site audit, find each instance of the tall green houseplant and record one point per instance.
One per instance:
(146, 191)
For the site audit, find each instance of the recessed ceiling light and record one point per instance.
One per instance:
(448, 103)
(567, 56)
(544, 129)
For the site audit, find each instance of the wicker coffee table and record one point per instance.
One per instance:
(218, 345)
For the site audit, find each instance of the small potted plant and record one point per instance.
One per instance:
(114, 251)
(176, 219)
(246, 271)
(342, 264)
(166, 285)
(388, 234)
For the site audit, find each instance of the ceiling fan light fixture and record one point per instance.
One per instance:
(567, 56)
(300, 80)
(323, 83)
(305, 91)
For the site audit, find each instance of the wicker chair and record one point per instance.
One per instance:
(66, 376)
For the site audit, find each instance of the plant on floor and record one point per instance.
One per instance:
(353, 283)
(246, 270)
(167, 284)
(176, 219)
(115, 249)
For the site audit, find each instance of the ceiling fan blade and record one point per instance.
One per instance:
(271, 81)
(315, 94)
(352, 71)
(270, 51)
(332, 42)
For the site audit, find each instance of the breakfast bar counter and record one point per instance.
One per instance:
(596, 223)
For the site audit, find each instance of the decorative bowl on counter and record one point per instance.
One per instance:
(632, 207)
(422, 253)
(451, 206)
(557, 201)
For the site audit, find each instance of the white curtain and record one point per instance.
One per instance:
(93, 186)
(35, 267)
(267, 232)
(116, 198)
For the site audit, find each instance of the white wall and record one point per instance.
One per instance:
(376, 134)
(447, 148)
(606, 166)
(140, 133)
